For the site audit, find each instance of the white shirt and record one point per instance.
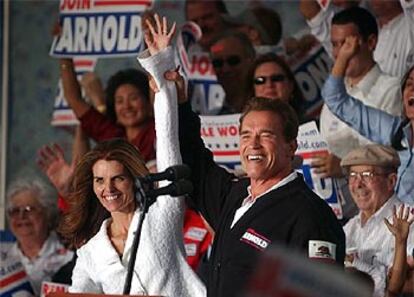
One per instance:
(374, 243)
(51, 258)
(377, 90)
(395, 47)
(249, 201)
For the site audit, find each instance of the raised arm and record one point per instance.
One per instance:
(400, 228)
(374, 124)
(71, 88)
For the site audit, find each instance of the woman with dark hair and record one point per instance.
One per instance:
(271, 77)
(103, 212)
(128, 110)
(374, 124)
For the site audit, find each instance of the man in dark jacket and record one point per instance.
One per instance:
(273, 205)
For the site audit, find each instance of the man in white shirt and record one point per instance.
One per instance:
(372, 174)
(365, 81)
(395, 46)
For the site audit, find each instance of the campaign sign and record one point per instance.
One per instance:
(221, 136)
(13, 278)
(282, 273)
(311, 72)
(100, 28)
(310, 143)
(207, 95)
(62, 113)
(50, 287)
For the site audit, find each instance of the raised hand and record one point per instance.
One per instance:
(158, 37)
(52, 162)
(401, 223)
(348, 48)
(327, 165)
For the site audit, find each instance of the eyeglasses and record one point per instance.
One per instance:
(260, 80)
(365, 176)
(231, 61)
(17, 211)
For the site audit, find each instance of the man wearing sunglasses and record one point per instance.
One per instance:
(232, 54)
(372, 174)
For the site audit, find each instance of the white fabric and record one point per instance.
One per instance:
(249, 201)
(377, 90)
(161, 267)
(52, 256)
(374, 243)
(395, 47)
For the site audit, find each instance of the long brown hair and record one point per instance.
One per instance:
(85, 214)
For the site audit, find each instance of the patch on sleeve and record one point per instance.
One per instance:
(251, 237)
(195, 233)
(319, 249)
(190, 249)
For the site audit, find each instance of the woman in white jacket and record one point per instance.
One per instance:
(103, 211)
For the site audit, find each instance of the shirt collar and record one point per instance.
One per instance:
(367, 82)
(279, 184)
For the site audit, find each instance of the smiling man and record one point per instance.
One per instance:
(272, 205)
(372, 175)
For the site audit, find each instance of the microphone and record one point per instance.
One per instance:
(172, 173)
(177, 188)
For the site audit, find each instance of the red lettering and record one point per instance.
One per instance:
(46, 289)
(207, 132)
(222, 131)
(203, 65)
(75, 4)
(233, 130)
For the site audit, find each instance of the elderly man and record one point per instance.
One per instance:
(273, 205)
(372, 174)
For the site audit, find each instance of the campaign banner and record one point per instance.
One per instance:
(50, 287)
(310, 144)
(100, 28)
(221, 136)
(282, 273)
(207, 95)
(13, 278)
(62, 114)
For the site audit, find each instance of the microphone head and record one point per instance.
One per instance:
(178, 172)
(182, 187)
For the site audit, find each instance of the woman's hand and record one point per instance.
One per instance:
(401, 223)
(52, 162)
(158, 38)
(346, 51)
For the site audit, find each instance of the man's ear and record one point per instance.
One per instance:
(372, 42)
(293, 146)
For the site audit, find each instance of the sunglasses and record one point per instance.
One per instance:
(17, 211)
(260, 80)
(231, 61)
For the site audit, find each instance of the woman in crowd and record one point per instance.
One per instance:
(128, 111)
(103, 212)
(32, 214)
(270, 77)
(374, 124)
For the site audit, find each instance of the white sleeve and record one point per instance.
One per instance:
(81, 279)
(320, 27)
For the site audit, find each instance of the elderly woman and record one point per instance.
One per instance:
(32, 212)
(270, 77)
(103, 211)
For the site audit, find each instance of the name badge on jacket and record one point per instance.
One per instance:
(254, 239)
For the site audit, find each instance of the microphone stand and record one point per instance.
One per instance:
(145, 203)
